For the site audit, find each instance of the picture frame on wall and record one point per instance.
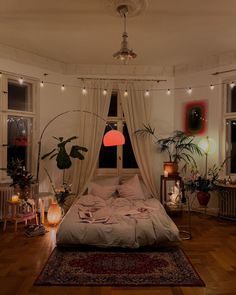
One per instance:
(195, 117)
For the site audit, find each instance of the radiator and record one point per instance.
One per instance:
(7, 191)
(227, 203)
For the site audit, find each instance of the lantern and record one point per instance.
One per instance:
(54, 214)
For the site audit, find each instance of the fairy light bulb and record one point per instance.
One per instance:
(104, 92)
(147, 93)
(84, 91)
(41, 84)
(126, 93)
(168, 92)
(232, 84)
(63, 87)
(212, 87)
(21, 80)
(189, 90)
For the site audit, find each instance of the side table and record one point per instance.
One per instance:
(164, 180)
(12, 214)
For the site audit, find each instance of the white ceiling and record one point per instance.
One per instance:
(169, 32)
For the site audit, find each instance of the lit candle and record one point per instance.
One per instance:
(165, 173)
(15, 198)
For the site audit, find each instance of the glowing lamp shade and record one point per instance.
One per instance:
(207, 145)
(54, 214)
(113, 138)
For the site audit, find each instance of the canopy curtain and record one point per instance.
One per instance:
(91, 130)
(137, 111)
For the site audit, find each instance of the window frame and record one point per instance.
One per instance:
(119, 120)
(5, 112)
(227, 115)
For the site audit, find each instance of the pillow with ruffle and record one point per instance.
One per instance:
(131, 189)
(102, 191)
(107, 181)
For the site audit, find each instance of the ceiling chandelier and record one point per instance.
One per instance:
(124, 54)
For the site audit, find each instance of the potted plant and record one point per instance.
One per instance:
(179, 147)
(64, 161)
(203, 184)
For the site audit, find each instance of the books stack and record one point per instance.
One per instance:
(35, 230)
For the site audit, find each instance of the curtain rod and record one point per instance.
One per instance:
(123, 79)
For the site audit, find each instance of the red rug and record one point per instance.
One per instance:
(155, 267)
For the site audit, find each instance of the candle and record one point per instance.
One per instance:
(15, 198)
(165, 173)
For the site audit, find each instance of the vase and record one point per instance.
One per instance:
(203, 198)
(171, 168)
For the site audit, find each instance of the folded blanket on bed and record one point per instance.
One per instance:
(95, 215)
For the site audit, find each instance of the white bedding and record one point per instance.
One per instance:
(125, 223)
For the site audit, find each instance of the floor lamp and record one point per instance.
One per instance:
(207, 145)
(111, 138)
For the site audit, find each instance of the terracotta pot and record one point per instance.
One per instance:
(171, 168)
(203, 198)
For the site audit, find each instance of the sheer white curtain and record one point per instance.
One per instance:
(91, 130)
(137, 110)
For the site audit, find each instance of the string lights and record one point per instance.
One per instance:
(146, 92)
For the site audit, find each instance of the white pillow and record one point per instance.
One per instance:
(91, 201)
(108, 181)
(131, 189)
(104, 192)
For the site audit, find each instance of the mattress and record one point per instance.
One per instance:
(124, 223)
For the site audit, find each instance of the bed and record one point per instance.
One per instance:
(105, 218)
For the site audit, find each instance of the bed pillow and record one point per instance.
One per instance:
(108, 181)
(131, 189)
(104, 192)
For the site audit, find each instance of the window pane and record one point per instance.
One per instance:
(128, 155)
(231, 95)
(19, 139)
(113, 109)
(231, 148)
(19, 96)
(108, 154)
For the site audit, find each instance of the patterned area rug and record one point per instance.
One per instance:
(155, 267)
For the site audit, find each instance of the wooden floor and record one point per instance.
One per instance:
(212, 251)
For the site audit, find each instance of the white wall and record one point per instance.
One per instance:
(215, 111)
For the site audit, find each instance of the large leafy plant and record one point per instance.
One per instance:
(62, 156)
(179, 146)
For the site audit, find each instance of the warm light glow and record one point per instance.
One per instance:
(62, 87)
(207, 145)
(168, 92)
(113, 138)
(84, 91)
(166, 173)
(54, 214)
(212, 87)
(15, 198)
(126, 93)
(147, 93)
(189, 90)
(41, 84)
(21, 80)
(0, 74)
(232, 84)
(104, 92)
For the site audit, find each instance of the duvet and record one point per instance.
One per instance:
(116, 222)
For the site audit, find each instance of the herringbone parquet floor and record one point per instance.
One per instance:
(212, 251)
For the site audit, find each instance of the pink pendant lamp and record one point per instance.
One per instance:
(113, 138)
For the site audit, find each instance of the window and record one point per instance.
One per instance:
(117, 159)
(230, 127)
(17, 118)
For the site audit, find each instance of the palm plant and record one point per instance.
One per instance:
(179, 146)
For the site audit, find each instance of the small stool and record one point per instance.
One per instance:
(17, 217)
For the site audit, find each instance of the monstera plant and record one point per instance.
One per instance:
(60, 153)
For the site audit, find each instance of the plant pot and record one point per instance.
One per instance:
(171, 168)
(203, 198)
